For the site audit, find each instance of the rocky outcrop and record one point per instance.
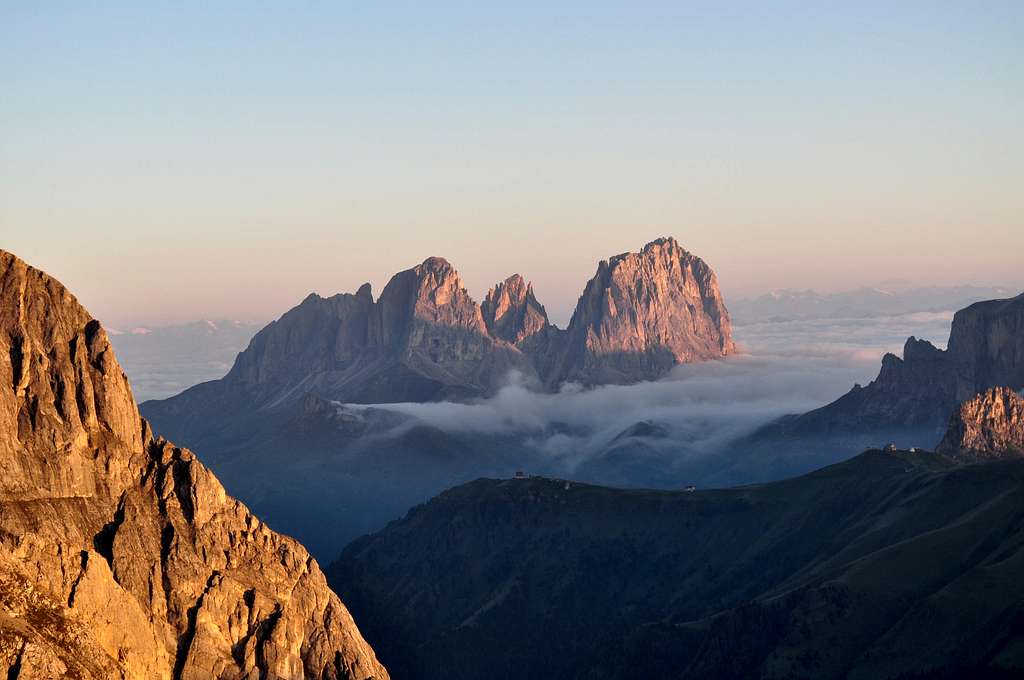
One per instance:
(989, 426)
(512, 313)
(121, 555)
(920, 390)
(643, 313)
(986, 343)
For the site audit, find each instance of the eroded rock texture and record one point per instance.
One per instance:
(425, 338)
(643, 313)
(512, 313)
(121, 555)
(989, 426)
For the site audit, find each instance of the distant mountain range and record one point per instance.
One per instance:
(164, 360)
(426, 339)
(899, 298)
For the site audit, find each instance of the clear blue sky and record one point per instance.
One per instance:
(173, 161)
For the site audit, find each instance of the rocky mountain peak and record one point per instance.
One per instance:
(920, 350)
(643, 313)
(987, 343)
(68, 400)
(665, 243)
(121, 555)
(425, 338)
(512, 312)
(439, 284)
(437, 264)
(991, 425)
(433, 291)
(365, 292)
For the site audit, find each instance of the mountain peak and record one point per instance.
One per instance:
(665, 242)
(438, 265)
(643, 313)
(990, 425)
(512, 312)
(515, 281)
(915, 349)
(435, 282)
(76, 400)
(425, 338)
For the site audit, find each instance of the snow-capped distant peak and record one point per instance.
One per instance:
(140, 330)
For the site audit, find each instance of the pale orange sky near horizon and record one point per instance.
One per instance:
(172, 284)
(176, 163)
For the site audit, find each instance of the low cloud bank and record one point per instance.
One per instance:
(783, 368)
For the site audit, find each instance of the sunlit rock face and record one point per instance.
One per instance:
(989, 426)
(512, 313)
(643, 313)
(121, 555)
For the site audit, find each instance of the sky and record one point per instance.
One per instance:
(170, 162)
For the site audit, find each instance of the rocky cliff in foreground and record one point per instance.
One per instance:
(989, 426)
(121, 555)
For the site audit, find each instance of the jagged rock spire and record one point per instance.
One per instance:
(512, 312)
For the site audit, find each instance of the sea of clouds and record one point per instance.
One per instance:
(781, 368)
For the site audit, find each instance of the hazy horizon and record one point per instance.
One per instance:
(250, 310)
(171, 164)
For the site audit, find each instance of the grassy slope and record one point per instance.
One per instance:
(876, 566)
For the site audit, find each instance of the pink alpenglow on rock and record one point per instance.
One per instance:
(991, 425)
